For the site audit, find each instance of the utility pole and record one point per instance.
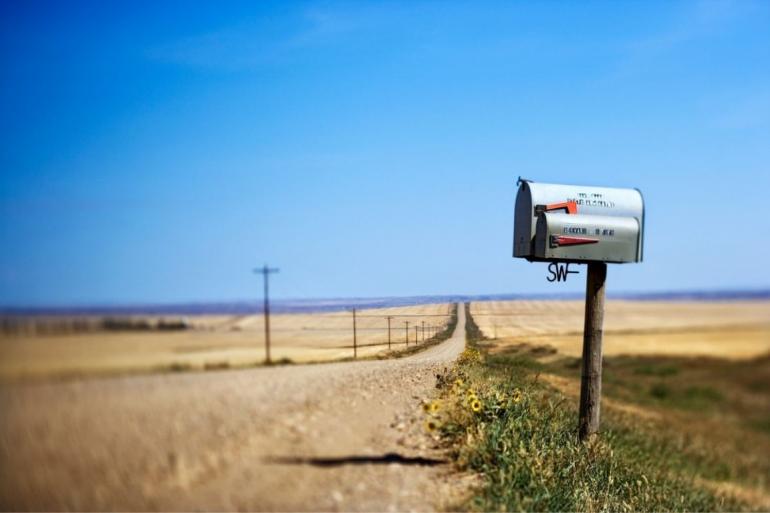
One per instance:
(407, 333)
(389, 318)
(265, 271)
(355, 341)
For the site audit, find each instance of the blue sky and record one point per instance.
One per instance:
(157, 151)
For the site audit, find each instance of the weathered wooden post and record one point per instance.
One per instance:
(355, 340)
(389, 318)
(591, 378)
(570, 224)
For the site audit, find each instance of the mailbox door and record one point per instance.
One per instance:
(579, 238)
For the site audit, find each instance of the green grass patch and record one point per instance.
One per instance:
(762, 424)
(652, 369)
(713, 386)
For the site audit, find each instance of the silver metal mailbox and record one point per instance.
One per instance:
(570, 223)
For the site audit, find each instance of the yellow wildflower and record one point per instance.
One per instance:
(516, 396)
(476, 405)
(431, 425)
(431, 406)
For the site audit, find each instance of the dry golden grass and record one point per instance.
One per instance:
(214, 341)
(734, 330)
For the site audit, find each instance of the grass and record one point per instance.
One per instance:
(738, 390)
(500, 416)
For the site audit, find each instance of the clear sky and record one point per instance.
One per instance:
(157, 151)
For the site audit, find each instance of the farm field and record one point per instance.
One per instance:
(211, 342)
(343, 436)
(730, 330)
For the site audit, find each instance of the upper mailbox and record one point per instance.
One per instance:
(596, 223)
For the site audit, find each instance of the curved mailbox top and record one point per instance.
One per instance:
(534, 199)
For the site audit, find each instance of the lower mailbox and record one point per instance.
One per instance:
(586, 238)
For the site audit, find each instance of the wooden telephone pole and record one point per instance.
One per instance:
(266, 271)
(591, 378)
(355, 339)
(389, 318)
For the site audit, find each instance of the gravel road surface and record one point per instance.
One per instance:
(340, 436)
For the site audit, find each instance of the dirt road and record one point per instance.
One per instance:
(342, 436)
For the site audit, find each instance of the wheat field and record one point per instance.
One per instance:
(732, 330)
(216, 341)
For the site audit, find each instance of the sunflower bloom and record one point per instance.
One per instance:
(434, 406)
(431, 425)
(476, 405)
(516, 396)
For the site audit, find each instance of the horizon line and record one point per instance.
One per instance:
(289, 305)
